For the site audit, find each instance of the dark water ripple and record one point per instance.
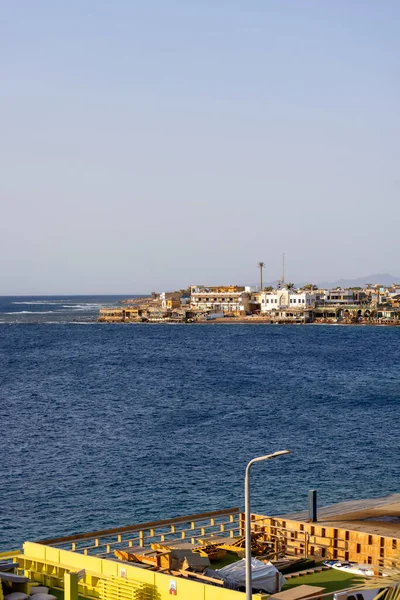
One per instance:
(103, 426)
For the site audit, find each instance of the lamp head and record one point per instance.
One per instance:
(270, 456)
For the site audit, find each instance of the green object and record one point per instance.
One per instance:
(230, 558)
(332, 580)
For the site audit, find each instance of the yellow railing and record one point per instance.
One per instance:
(225, 522)
(10, 554)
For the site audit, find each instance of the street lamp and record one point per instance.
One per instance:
(247, 516)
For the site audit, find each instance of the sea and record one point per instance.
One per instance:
(104, 425)
(54, 309)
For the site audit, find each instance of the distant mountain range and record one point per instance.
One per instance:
(382, 278)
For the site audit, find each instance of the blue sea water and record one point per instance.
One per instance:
(53, 309)
(106, 425)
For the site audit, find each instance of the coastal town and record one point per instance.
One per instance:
(279, 304)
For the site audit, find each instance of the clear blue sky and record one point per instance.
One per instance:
(151, 145)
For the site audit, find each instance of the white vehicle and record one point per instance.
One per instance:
(351, 567)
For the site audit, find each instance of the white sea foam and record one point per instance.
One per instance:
(30, 312)
(70, 306)
(82, 306)
(38, 302)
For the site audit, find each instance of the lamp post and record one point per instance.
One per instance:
(247, 515)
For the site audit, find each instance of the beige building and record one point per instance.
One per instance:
(119, 314)
(222, 298)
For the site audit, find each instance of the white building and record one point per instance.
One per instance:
(285, 299)
(163, 300)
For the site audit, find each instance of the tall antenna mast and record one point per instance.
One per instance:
(283, 268)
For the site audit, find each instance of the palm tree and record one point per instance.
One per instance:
(289, 285)
(261, 266)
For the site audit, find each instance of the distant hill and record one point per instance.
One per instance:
(382, 278)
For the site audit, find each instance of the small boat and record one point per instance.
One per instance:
(350, 567)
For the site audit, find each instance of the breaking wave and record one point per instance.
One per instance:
(30, 312)
(82, 306)
(34, 302)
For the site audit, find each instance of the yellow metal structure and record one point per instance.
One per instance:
(70, 586)
(117, 589)
(110, 579)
